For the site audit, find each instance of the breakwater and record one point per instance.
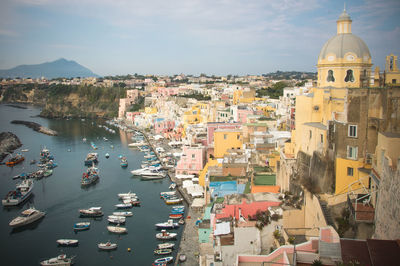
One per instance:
(37, 127)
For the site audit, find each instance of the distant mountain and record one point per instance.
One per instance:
(60, 68)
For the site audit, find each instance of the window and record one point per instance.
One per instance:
(322, 138)
(393, 81)
(352, 131)
(350, 171)
(238, 136)
(330, 77)
(225, 136)
(310, 134)
(352, 152)
(193, 156)
(349, 76)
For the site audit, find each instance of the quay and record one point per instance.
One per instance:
(189, 241)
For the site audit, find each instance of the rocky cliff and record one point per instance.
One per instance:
(60, 101)
(8, 143)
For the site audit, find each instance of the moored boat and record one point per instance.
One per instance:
(124, 206)
(61, 260)
(47, 172)
(67, 242)
(107, 155)
(117, 229)
(164, 235)
(129, 194)
(81, 226)
(91, 212)
(90, 176)
(15, 160)
(115, 219)
(124, 162)
(27, 216)
(181, 221)
(107, 246)
(20, 194)
(91, 158)
(124, 214)
(165, 245)
(173, 201)
(164, 260)
(164, 251)
(175, 215)
(167, 225)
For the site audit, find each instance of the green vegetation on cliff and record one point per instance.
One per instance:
(60, 100)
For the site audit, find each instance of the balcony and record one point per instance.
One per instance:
(361, 208)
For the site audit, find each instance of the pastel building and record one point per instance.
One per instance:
(162, 125)
(192, 160)
(226, 139)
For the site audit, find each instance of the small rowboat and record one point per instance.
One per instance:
(123, 206)
(165, 245)
(175, 215)
(125, 214)
(117, 229)
(129, 194)
(107, 246)
(81, 226)
(164, 251)
(164, 260)
(67, 242)
(116, 219)
(164, 235)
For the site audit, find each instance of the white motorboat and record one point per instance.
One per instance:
(67, 242)
(81, 226)
(146, 169)
(137, 144)
(61, 260)
(168, 193)
(107, 246)
(28, 216)
(116, 219)
(167, 225)
(164, 235)
(132, 198)
(125, 214)
(91, 212)
(164, 260)
(165, 245)
(21, 193)
(124, 206)
(129, 194)
(117, 229)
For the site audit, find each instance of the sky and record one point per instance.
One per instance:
(166, 37)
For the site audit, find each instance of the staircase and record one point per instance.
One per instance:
(327, 214)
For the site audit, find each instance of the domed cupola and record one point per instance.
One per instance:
(344, 60)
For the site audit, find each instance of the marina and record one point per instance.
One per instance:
(61, 196)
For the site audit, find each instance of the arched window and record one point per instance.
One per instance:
(330, 77)
(349, 76)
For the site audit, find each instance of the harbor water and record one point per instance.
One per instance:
(61, 195)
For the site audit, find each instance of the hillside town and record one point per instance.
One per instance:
(278, 169)
(310, 176)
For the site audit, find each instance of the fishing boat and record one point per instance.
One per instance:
(164, 260)
(90, 176)
(27, 216)
(173, 201)
(91, 212)
(124, 214)
(107, 246)
(124, 206)
(47, 172)
(91, 158)
(50, 164)
(124, 195)
(60, 260)
(124, 162)
(164, 235)
(115, 219)
(81, 226)
(15, 160)
(143, 170)
(178, 207)
(165, 246)
(45, 155)
(117, 229)
(21, 193)
(164, 251)
(167, 225)
(68, 242)
(171, 193)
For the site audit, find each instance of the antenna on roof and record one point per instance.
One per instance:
(344, 8)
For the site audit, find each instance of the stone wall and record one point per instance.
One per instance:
(387, 212)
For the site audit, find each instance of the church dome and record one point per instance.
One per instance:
(341, 44)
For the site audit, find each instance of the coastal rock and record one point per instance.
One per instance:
(35, 126)
(8, 143)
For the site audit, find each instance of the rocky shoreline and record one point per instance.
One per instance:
(35, 126)
(8, 143)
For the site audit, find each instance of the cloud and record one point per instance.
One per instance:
(8, 33)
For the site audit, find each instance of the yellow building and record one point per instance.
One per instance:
(392, 73)
(150, 110)
(203, 173)
(225, 139)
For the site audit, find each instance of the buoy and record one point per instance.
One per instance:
(129, 249)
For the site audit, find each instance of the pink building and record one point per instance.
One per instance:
(192, 160)
(211, 127)
(162, 126)
(124, 103)
(242, 115)
(130, 116)
(168, 91)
